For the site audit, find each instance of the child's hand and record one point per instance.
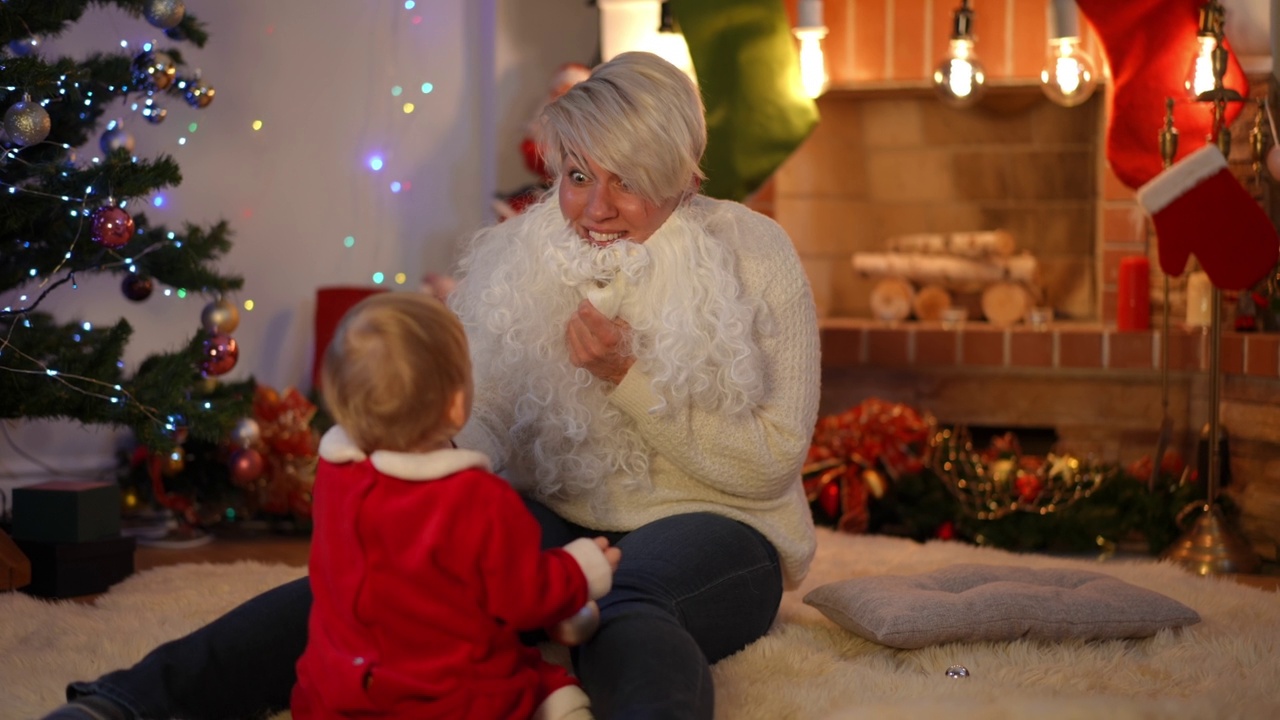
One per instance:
(611, 554)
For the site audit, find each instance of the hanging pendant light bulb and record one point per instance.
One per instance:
(669, 43)
(1200, 76)
(809, 31)
(1070, 75)
(960, 79)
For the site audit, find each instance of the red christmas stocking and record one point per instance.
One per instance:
(1150, 46)
(1199, 208)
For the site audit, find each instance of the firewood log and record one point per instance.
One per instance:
(978, 244)
(931, 301)
(951, 271)
(1005, 304)
(891, 299)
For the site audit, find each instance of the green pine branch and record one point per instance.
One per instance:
(64, 371)
(21, 19)
(48, 235)
(53, 369)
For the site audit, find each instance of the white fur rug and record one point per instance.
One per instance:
(1227, 666)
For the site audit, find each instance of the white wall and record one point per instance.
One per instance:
(319, 75)
(534, 37)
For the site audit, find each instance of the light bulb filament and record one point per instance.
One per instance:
(1068, 76)
(813, 64)
(1201, 79)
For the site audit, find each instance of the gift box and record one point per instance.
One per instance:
(15, 568)
(66, 511)
(61, 570)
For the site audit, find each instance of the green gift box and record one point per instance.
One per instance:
(66, 511)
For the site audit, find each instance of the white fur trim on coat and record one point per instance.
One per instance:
(336, 447)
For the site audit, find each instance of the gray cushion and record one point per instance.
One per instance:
(993, 602)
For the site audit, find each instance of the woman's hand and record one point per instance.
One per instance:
(598, 344)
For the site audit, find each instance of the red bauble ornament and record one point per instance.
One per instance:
(300, 503)
(218, 354)
(829, 498)
(136, 287)
(112, 227)
(246, 466)
(1028, 487)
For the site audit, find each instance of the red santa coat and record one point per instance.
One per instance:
(423, 569)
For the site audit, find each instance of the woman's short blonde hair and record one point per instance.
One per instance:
(637, 116)
(393, 367)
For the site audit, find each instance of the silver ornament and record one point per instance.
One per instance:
(246, 433)
(956, 672)
(577, 628)
(165, 14)
(117, 138)
(26, 123)
(220, 316)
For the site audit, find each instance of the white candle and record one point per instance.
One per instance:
(1199, 300)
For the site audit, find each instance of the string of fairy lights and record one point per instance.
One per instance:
(99, 215)
(27, 124)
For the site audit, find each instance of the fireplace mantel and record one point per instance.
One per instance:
(1060, 347)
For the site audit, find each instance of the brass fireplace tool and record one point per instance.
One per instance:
(1212, 545)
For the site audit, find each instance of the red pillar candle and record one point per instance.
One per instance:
(1133, 294)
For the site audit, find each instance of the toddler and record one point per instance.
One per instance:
(424, 565)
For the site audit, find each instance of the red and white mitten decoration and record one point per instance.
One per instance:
(1150, 46)
(1199, 208)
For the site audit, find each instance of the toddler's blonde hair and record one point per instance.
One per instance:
(394, 365)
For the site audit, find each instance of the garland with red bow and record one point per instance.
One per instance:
(856, 454)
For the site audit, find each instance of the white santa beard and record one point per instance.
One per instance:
(692, 335)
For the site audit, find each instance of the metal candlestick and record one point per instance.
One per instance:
(1211, 545)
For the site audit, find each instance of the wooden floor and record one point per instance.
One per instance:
(286, 549)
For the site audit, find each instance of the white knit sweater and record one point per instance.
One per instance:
(746, 467)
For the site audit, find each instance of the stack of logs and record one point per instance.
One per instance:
(925, 275)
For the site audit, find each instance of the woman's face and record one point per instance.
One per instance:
(602, 209)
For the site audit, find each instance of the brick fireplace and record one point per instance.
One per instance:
(889, 159)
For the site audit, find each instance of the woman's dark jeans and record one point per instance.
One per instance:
(691, 589)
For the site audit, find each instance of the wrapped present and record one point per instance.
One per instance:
(70, 569)
(66, 511)
(288, 444)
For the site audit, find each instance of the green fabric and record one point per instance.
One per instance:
(749, 72)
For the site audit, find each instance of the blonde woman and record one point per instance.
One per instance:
(646, 369)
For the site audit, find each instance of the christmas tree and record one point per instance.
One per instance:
(70, 190)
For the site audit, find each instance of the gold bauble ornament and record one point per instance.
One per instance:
(173, 462)
(26, 122)
(199, 93)
(220, 316)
